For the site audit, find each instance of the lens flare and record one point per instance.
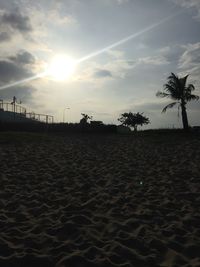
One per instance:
(62, 68)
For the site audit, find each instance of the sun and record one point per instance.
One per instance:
(61, 68)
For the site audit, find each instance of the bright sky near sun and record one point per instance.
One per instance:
(98, 57)
(60, 68)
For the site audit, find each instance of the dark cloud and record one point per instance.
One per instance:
(10, 72)
(23, 58)
(102, 73)
(16, 67)
(4, 36)
(23, 93)
(17, 21)
(12, 69)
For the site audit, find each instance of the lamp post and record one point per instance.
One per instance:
(1, 104)
(64, 114)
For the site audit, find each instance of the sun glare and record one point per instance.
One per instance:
(61, 67)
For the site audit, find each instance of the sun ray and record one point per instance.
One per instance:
(35, 77)
(103, 50)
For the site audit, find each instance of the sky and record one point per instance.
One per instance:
(126, 50)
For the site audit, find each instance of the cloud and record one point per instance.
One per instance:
(16, 21)
(4, 36)
(115, 67)
(172, 53)
(55, 17)
(143, 62)
(102, 73)
(10, 71)
(114, 2)
(17, 67)
(23, 58)
(120, 2)
(153, 60)
(189, 62)
(117, 54)
(119, 67)
(23, 93)
(195, 4)
(48, 18)
(191, 56)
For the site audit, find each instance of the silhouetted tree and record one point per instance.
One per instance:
(177, 90)
(133, 119)
(85, 119)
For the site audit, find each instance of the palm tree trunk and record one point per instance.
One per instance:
(184, 116)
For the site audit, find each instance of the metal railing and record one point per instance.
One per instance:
(5, 106)
(21, 111)
(39, 117)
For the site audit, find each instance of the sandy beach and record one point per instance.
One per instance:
(91, 200)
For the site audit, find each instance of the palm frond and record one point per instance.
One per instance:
(190, 87)
(169, 106)
(162, 94)
(192, 97)
(172, 77)
(169, 88)
(173, 80)
(172, 90)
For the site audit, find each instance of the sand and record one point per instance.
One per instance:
(83, 201)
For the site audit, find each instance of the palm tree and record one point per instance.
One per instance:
(177, 90)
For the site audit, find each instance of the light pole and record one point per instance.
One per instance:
(1, 104)
(64, 114)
